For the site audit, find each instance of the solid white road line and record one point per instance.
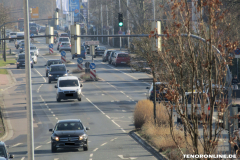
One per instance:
(103, 144)
(116, 123)
(108, 117)
(38, 147)
(95, 149)
(15, 145)
(40, 75)
(123, 130)
(95, 106)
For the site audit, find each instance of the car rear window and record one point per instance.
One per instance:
(122, 55)
(58, 68)
(13, 33)
(63, 39)
(64, 35)
(66, 44)
(21, 56)
(33, 47)
(68, 83)
(69, 126)
(54, 62)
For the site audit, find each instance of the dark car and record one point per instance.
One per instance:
(4, 155)
(56, 33)
(42, 29)
(82, 55)
(50, 62)
(34, 30)
(21, 48)
(21, 61)
(69, 133)
(56, 71)
(99, 51)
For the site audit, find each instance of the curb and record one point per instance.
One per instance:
(147, 146)
(11, 74)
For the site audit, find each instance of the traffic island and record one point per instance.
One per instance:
(76, 71)
(52, 54)
(86, 77)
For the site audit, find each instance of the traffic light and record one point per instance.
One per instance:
(120, 19)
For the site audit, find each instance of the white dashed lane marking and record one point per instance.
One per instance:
(95, 149)
(15, 145)
(38, 147)
(103, 144)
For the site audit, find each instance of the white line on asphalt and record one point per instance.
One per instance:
(123, 130)
(116, 123)
(39, 88)
(38, 147)
(113, 139)
(123, 110)
(95, 149)
(40, 75)
(111, 85)
(108, 117)
(52, 112)
(48, 142)
(44, 58)
(112, 100)
(90, 158)
(53, 115)
(56, 118)
(95, 106)
(15, 145)
(103, 144)
(22, 158)
(49, 109)
(56, 158)
(91, 155)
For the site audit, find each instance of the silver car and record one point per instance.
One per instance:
(65, 46)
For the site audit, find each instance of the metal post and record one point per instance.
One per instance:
(97, 33)
(87, 15)
(102, 22)
(120, 27)
(107, 25)
(237, 67)
(153, 1)
(30, 140)
(4, 45)
(128, 21)
(112, 26)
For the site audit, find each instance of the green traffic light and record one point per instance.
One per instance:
(120, 24)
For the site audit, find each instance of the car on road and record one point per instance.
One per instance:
(68, 88)
(82, 55)
(56, 33)
(99, 51)
(42, 29)
(62, 39)
(18, 43)
(63, 35)
(21, 47)
(20, 35)
(69, 133)
(160, 96)
(65, 46)
(4, 155)
(51, 62)
(34, 49)
(88, 48)
(56, 71)
(12, 35)
(21, 61)
(121, 58)
(33, 30)
(34, 57)
(112, 54)
(106, 55)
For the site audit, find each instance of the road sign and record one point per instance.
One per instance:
(79, 60)
(87, 64)
(35, 12)
(50, 45)
(92, 43)
(63, 53)
(237, 53)
(92, 66)
(119, 32)
(32, 35)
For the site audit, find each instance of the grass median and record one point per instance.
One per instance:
(8, 61)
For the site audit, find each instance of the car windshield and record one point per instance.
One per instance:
(32, 53)
(122, 55)
(53, 62)
(101, 48)
(3, 152)
(58, 68)
(13, 33)
(64, 35)
(82, 48)
(65, 44)
(21, 56)
(63, 39)
(33, 47)
(69, 126)
(68, 83)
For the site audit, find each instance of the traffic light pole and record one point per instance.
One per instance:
(120, 29)
(4, 45)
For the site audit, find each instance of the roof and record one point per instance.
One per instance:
(68, 78)
(54, 60)
(21, 54)
(2, 143)
(69, 120)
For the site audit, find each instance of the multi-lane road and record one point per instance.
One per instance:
(107, 108)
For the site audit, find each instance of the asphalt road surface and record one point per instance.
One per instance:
(107, 108)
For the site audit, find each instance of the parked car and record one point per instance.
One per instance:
(70, 133)
(62, 39)
(65, 46)
(120, 58)
(88, 48)
(4, 155)
(51, 62)
(56, 71)
(112, 54)
(82, 55)
(42, 29)
(33, 30)
(106, 55)
(21, 61)
(12, 35)
(160, 96)
(68, 88)
(99, 51)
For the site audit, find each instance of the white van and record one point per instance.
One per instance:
(68, 88)
(197, 105)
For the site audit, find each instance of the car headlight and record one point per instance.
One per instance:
(65, 74)
(56, 138)
(49, 75)
(17, 62)
(83, 137)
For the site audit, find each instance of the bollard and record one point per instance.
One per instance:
(10, 51)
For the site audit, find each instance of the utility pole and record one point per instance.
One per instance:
(30, 140)
(87, 15)
(120, 27)
(128, 22)
(153, 1)
(107, 25)
(112, 25)
(102, 21)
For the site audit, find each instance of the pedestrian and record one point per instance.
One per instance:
(235, 82)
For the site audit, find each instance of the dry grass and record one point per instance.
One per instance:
(76, 71)
(144, 113)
